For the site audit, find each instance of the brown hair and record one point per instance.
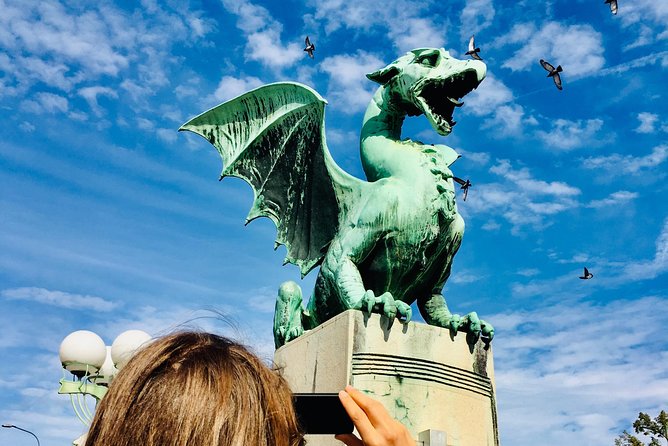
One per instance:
(195, 389)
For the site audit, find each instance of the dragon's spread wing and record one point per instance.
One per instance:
(274, 138)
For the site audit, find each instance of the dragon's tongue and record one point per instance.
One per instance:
(455, 101)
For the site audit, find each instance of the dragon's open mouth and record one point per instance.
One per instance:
(439, 97)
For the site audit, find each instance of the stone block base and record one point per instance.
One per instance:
(424, 377)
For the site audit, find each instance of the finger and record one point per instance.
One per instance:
(349, 439)
(358, 416)
(374, 410)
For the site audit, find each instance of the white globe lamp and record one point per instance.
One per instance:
(126, 344)
(82, 352)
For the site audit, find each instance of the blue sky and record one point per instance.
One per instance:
(111, 220)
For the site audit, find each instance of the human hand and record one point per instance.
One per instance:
(374, 424)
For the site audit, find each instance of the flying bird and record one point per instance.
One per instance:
(473, 51)
(464, 186)
(553, 72)
(613, 6)
(310, 48)
(586, 275)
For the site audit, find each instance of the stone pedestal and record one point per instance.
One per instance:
(425, 378)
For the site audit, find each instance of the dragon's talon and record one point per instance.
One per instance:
(404, 312)
(487, 332)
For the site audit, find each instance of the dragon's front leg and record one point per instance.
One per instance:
(435, 311)
(340, 279)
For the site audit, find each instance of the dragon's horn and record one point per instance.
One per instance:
(384, 75)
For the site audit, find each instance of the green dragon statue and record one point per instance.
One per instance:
(381, 244)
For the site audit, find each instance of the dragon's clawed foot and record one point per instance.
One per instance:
(474, 327)
(386, 305)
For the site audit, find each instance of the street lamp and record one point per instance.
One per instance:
(10, 426)
(93, 365)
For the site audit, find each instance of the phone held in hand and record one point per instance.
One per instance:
(322, 413)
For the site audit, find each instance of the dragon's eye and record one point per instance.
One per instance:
(428, 60)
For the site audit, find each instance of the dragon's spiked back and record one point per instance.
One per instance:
(273, 138)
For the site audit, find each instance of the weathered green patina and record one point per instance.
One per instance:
(382, 244)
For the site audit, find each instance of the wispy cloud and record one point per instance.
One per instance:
(568, 135)
(522, 199)
(649, 269)
(628, 164)
(230, 87)
(476, 16)
(59, 299)
(660, 57)
(45, 103)
(401, 21)
(648, 122)
(490, 94)
(614, 199)
(63, 47)
(263, 34)
(90, 94)
(610, 274)
(578, 48)
(349, 89)
(572, 354)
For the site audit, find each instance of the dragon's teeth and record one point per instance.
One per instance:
(455, 101)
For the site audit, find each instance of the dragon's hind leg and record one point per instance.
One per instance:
(288, 314)
(435, 311)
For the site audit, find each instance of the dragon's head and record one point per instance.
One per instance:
(430, 81)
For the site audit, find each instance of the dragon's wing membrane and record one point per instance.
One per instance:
(273, 137)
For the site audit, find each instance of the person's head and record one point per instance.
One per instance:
(195, 389)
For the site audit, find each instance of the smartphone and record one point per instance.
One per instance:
(322, 413)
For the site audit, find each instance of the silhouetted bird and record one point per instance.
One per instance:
(613, 6)
(464, 186)
(553, 72)
(310, 48)
(586, 275)
(473, 51)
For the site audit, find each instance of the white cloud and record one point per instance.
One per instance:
(230, 87)
(337, 136)
(414, 32)
(661, 57)
(167, 135)
(614, 199)
(27, 127)
(45, 103)
(491, 94)
(607, 273)
(577, 48)
(349, 89)
(645, 12)
(648, 122)
(59, 299)
(403, 21)
(263, 34)
(480, 158)
(568, 135)
(90, 94)
(491, 225)
(528, 272)
(629, 164)
(650, 269)
(464, 277)
(67, 46)
(476, 16)
(508, 120)
(555, 367)
(520, 198)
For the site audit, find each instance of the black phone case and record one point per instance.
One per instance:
(322, 413)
